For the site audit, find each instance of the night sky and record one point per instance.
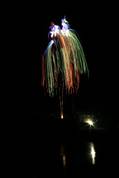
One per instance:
(32, 129)
(96, 25)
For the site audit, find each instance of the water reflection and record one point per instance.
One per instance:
(62, 116)
(63, 155)
(81, 154)
(75, 151)
(92, 152)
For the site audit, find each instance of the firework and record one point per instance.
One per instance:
(63, 60)
(90, 122)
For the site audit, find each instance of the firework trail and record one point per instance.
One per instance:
(63, 60)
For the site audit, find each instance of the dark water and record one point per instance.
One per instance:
(62, 148)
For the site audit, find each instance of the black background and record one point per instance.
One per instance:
(31, 113)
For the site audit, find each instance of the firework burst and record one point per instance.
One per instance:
(63, 60)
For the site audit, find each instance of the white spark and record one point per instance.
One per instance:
(90, 122)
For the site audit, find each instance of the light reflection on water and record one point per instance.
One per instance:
(80, 151)
(86, 154)
(63, 155)
(92, 152)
